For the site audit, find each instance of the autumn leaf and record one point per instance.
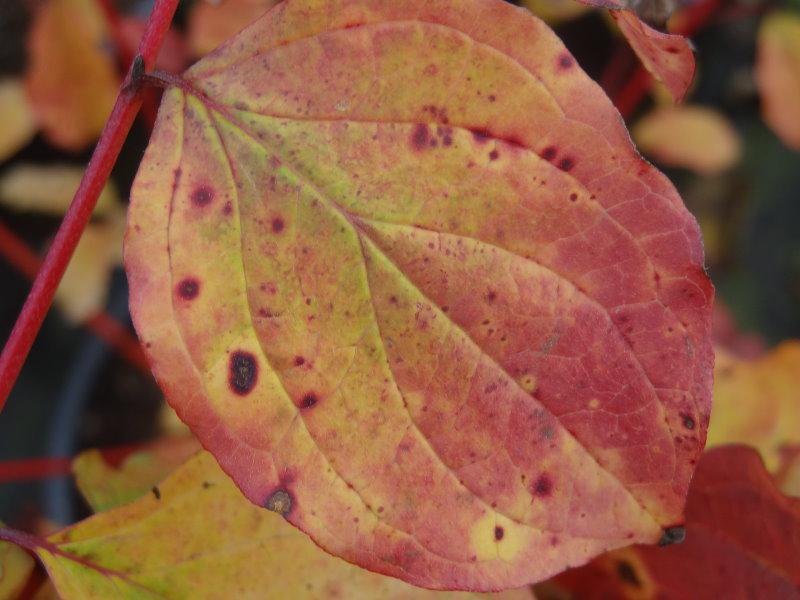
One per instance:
(17, 122)
(742, 541)
(668, 57)
(400, 269)
(788, 475)
(105, 486)
(778, 74)
(195, 536)
(71, 81)
(83, 290)
(16, 566)
(212, 23)
(49, 189)
(693, 137)
(757, 401)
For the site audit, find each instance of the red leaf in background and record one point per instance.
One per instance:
(742, 541)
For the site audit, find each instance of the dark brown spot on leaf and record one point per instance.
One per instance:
(420, 137)
(566, 164)
(277, 225)
(243, 372)
(280, 502)
(189, 288)
(565, 61)
(299, 361)
(543, 486)
(156, 492)
(481, 135)
(494, 155)
(309, 400)
(688, 421)
(202, 196)
(549, 153)
(498, 533)
(573, 197)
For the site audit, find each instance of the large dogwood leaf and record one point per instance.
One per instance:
(742, 541)
(400, 269)
(195, 536)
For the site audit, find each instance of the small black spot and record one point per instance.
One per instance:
(494, 155)
(207, 484)
(498, 533)
(189, 288)
(565, 61)
(202, 196)
(543, 485)
(566, 164)
(309, 400)
(277, 225)
(243, 372)
(549, 153)
(573, 197)
(672, 535)
(627, 574)
(156, 492)
(688, 421)
(280, 502)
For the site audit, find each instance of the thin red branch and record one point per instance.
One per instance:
(43, 467)
(105, 155)
(125, 55)
(103, 325)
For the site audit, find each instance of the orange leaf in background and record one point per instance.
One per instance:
(211, 23)
(757, 401)
(71, 80)
(742, 541)
(778, 75)
(195, 536)
(400, 268)
(668, 57)
(105, 486)
(693, 137)
(17, 122)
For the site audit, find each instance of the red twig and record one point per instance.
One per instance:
(105, 155)
(103, 325)
(44, 467)
(125, 55)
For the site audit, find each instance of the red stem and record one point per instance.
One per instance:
(42, 468)
(103, 325)
(105, 155)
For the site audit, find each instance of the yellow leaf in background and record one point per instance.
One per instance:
(84, 287)
(71, 79)
(693, 137)
(757, 402)
(778, 75)
(49, 189)
(197, 537)
(15, 568)
(555, 11)
(211, 24)
(17, 123)
(105, 486)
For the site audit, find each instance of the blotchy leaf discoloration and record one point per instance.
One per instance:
(500, 308)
